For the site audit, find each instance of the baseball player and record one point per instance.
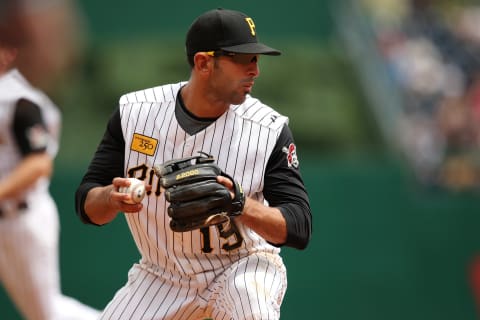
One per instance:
(29, 224)
(231, 270)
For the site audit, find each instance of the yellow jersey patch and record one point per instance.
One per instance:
(144, 144)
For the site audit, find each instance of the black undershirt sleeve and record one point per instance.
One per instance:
(107, 163)
(29, 128)
(284, 189)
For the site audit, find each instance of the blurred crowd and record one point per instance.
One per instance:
(432, 53)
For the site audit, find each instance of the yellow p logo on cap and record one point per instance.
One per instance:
(251, 25)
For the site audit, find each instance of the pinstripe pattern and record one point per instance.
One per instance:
(216, 266)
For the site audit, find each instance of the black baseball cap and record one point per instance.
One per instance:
(228, 30)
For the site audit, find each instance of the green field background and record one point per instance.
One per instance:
(382, 248)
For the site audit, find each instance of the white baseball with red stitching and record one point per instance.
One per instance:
(136, 190)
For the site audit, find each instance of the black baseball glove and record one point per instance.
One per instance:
(196, 199)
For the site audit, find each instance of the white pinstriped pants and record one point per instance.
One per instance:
(29, 268)
(252, 288)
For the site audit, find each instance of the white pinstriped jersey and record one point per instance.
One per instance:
(13, 86)
(241, 140)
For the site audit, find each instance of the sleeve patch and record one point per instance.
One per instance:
(37, 137)
(291, 152)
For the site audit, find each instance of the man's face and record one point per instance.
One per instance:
(233, 77)
(47, 37)
(7, 57)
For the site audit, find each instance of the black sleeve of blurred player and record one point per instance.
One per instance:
(284, 189)
(28, 127)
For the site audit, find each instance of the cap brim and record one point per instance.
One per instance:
(253, 48)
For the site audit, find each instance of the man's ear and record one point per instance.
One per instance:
(202, 62)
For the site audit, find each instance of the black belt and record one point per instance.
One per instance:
(20, 206)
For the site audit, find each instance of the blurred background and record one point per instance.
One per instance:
(384, 102)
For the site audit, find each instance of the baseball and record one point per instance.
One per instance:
(136, 190)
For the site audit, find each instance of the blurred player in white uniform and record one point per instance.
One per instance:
(228, 271)
(29, 222)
